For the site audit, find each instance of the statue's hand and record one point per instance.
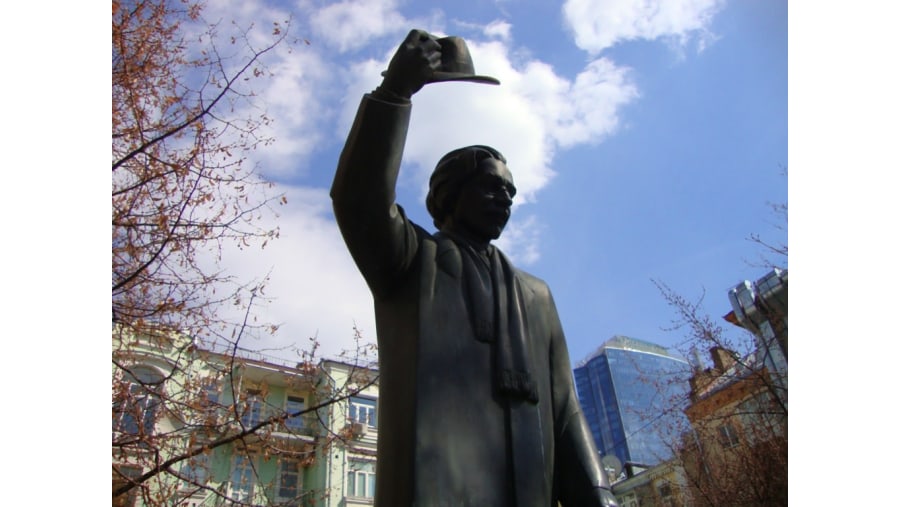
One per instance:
(413, 64)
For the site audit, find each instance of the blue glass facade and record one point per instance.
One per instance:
(632, 393)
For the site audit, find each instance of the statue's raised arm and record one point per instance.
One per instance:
(375, 229)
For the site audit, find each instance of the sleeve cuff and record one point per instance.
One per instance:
(385, 95)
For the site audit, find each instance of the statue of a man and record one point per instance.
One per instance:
(477, 404)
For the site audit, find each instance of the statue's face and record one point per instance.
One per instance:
(483, 207)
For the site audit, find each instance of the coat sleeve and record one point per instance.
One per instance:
(381, 240)
(580, 480)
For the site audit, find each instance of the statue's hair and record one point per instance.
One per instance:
(450, 173)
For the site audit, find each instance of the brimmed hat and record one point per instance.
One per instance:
(456, 64)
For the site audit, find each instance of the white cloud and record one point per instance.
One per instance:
(528, 117)
(289, 84)
(599, 24)
(292, 97)
(520, 240)
(352, 24)
(587, 111)
(315, 288)
(498, 29)
(359, 78)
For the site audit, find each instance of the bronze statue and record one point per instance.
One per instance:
(477, 402)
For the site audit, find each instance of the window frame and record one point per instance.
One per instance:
(254, 408)
(294, 423)
(242, 492)
(356, 470)
(297, 472)
(728, 435)
(368, 405)
(192, 465)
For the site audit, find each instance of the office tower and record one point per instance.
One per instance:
(632, 393)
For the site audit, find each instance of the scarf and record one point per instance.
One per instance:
(500, 321)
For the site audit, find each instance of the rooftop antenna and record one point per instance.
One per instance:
(612, 466)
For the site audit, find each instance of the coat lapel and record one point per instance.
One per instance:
(448, 256)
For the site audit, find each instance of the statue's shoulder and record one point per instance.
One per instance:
(526, 279)
(535, 284)
(530, 279)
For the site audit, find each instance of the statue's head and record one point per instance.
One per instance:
(470, 193)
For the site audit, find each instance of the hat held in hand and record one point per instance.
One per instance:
(456, 64)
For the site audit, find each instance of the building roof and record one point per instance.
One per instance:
(621, 342)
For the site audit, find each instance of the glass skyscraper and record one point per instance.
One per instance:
(632, 393)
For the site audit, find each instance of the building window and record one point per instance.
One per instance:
(362, 410)
(211, 412)
(728, 437)
(195, 471)
(209, 396)
(289, 482)
(253, 409)
(361, 479)
(135, 407)
(242, 479)
(294, 405)
(666, 498)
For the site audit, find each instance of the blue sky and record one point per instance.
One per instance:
(645, 148)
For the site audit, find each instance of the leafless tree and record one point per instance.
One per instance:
(185, 120)
(182, 185)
